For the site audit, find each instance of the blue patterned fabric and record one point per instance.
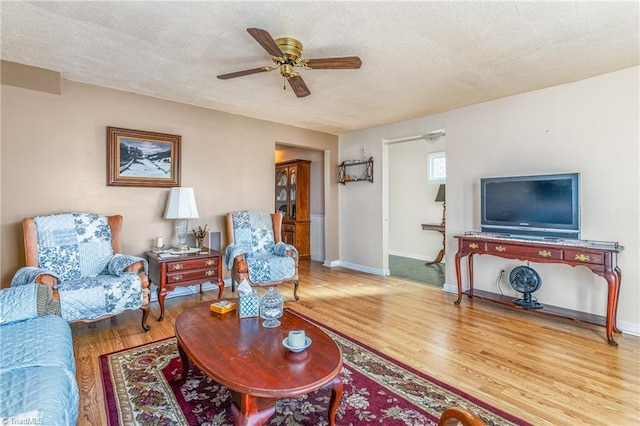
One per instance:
(74, 245)
(120, 262)
(253, 237)
(76, 248)
(18, 303)
(29, 274)
(281, 249)
(270, 268)
(94, 297)
(37, 372)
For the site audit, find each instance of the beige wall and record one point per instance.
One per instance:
(590, 126)
(54, 160)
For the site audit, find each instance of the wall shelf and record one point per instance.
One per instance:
(355, 171)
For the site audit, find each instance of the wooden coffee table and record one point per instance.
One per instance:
(252, 363)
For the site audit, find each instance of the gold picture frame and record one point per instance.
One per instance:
(141, 158)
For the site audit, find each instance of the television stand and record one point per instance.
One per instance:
(600, 257)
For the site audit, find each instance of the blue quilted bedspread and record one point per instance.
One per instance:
(37, 372)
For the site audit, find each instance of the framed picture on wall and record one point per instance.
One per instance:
(140, 158)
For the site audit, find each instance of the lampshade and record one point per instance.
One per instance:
(181, 204)
(441, 194)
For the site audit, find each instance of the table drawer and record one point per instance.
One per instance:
(583, 256)
(529, 252)
(192, 274)
(205, 262)
(288, 228)
(474, 245)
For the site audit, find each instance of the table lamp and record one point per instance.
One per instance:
(440, 198)
(181, 206)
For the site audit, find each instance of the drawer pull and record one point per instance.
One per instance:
(177, 277)
(473, 245)
(501, 249)
(177, 267)
(210, 273)
(544, 253)
(210, 262)
(581, 257)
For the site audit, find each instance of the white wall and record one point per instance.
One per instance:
(590, 126)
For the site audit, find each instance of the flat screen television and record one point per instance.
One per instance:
(542, 206)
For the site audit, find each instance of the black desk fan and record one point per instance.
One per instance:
(525, 280)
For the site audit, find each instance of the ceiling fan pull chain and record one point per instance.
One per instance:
(284, 84)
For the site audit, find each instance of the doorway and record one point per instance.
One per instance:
(411, 201)
(316, 193)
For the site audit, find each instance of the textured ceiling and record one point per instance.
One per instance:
(419, 58)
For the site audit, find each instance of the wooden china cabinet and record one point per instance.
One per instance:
(292, 195)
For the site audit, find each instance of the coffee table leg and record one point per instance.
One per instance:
(336, 396)
(248, 414)
(185, 363)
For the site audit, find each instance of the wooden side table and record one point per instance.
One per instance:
(441, 229)
(184, 270)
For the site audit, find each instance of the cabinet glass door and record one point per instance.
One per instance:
(293, 174)
(282, 192)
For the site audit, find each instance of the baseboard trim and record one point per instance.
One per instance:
(362, 268)
(413, 256)
(450, 288)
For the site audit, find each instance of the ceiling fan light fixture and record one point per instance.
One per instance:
(286, 70)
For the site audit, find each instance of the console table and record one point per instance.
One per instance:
(599, 257)
(440, 229)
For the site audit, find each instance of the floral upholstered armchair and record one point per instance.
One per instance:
(79, 256)
(256, 251)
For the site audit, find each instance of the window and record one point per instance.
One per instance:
(437, 167)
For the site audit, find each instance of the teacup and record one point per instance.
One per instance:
(296, 339)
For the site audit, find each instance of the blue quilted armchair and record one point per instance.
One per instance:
(256, 251)
(79, 256)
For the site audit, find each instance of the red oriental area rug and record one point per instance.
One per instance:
(140, 389)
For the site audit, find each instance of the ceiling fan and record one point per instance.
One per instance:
(286, 52)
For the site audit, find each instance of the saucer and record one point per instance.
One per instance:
(307, 343)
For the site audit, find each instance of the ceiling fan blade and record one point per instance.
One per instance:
(266, 41)
(299, 87)
(346, 63)
(245, 72)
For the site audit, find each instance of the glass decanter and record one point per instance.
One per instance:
(271, 306)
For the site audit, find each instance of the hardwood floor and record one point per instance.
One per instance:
(546, 371)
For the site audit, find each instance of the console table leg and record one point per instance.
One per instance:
(618, 273)
(458, 278)
(470, 267)
(613, 288)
